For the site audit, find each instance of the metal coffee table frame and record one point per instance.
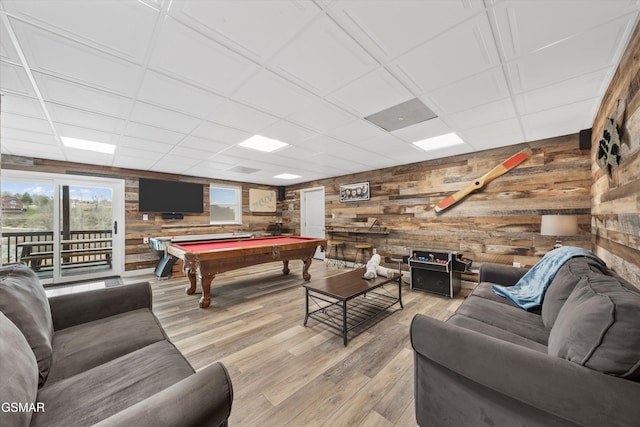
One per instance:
(347, 310)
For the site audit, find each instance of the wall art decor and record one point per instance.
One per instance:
(354, 192)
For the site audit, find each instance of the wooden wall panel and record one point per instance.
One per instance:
(139, 255)
(500, 223)
(616, 199)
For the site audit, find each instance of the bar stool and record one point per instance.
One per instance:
(361, 249)
(336, 246)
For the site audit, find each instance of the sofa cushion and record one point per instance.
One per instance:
(563, 283)
(85, 346)
(98, 393)
(24, 302)
(492, 331)
(19, 373)
(599, 327)
(507, 317)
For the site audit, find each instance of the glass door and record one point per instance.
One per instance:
(67, 228)
(87, 228)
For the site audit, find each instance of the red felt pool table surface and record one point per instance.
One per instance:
(215, 245)
(205, 259)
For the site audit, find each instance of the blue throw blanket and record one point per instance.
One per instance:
(529, 291)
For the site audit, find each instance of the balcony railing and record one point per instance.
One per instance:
(79, 248)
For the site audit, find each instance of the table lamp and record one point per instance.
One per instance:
(559, 225)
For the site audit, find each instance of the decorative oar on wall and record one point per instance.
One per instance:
(477, 184)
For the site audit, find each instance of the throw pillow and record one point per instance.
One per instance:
(599, 327)
(24, 301)
(19, 373)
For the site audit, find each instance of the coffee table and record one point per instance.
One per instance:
(338, 306)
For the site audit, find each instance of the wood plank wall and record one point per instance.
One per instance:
(500, 223)
(615, 206)
(139, 255)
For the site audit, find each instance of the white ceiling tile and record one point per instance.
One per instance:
(485, 114)
(422, 130)
(77, 117)
(476, 90)
(458, 53)
(145, 144)
(32, 124)
(257, 30)
(21, 147)
(7, 50)
(335, 160)
(519, 22)
(224, 134)
(494, 135)
(134, 22)
(411, 154)
(321, 115)
(382, 144)
(273, 94)
(372, 93)
(203, 144)
(80, 132)
(563, 120)
(163, 118)
(28, 133)
(450, 151)
(90, 157)
(138, 154)
(50, 53)
(569, 58)
(13, 78)
(180, 52)
(178, 96)
(143, 131)
(132, 160)
(21, 105)
(287, 132)
(565, 92)
(241, 117)
(82, 96)
(323, 58)
(173, 164)
(322, 144)
(356, 131)
(392, 29)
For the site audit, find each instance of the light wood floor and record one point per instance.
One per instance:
(286, 374)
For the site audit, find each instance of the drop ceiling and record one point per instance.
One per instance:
(177, 85)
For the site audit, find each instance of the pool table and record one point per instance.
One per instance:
(205, 259)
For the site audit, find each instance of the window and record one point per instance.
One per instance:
(226, 204)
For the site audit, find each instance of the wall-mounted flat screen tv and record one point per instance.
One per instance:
(170, 196)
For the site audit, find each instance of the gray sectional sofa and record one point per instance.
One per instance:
(573, 362)
(97, 358)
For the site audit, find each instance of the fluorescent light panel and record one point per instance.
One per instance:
(84, 144)
(438, 142)
(287, 176)
(262, 143)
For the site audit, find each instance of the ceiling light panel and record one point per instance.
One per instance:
(287, 176)
(439, 142)
(262, 143)
(83, 144)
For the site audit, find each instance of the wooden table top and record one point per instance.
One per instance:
(348, 285)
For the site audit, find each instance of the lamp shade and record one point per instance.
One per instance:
(559, 225)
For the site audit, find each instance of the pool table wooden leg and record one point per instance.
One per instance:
(285, 267)
(305, 268)
(193, 282)
(205, 300)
